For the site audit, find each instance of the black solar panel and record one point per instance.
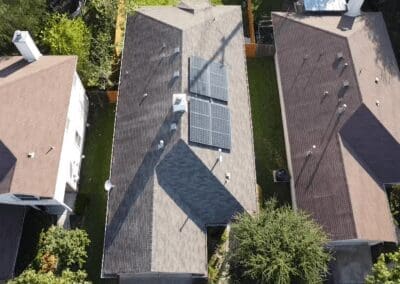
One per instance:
(208, 79)
(209, 124)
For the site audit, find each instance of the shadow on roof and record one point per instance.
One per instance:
(5, 72)
(372, 146)
(7, 167)
(195, 189)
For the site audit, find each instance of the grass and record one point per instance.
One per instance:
(92, 198)
(267, 126)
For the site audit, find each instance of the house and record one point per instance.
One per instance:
(43, 115)
(339, 91)
(183, 157)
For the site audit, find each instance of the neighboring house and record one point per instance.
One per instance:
(183, 156)
(43, 115)
(339, 88)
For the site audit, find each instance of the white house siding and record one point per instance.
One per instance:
(71, 152)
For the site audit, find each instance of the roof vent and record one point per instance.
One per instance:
(179, 103)
(377, 103)
(342, 108)
(299, 7)
(31, 155)
(160, 145)
(26, 46)
(176, 74)
(194, 6)
(346, 65)
(376, 80)
(220, 155)
(339, 56)
(326, 93)
(173, 127)
(346, 84)
(354, 8)
(108, 185)
(177, 50)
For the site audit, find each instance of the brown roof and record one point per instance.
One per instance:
(33, 110)
(341, 182)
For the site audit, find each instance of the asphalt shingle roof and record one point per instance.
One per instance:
(164, 198)
(341, 183)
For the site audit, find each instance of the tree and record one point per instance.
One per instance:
(386, 269)
(64, 36)
(278, 245)
(20, 15)
(66, 248)
(30, 276)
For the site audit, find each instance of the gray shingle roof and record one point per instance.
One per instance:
(164, 198)
(336, 184)
(11, 224)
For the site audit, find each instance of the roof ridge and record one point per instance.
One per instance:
(66, 58)
(309, 25)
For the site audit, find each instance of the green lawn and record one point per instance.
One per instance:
(92, 199)
(267, 126)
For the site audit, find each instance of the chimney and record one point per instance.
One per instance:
(26, 46)
(354, 8)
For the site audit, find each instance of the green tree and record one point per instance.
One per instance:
(20, 15)
(67, 246)
(278, 245)
(386, 269)
(64, 36)
(30, 276)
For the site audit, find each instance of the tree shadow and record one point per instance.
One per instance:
(384, 52)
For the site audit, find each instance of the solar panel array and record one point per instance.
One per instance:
(210, 124)
(208, 79)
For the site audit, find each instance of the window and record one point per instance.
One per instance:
(78, 139)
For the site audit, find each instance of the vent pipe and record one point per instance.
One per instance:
(354, 8)
(26, 46)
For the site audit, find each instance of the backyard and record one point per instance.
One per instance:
(92, 199)
(267, 127)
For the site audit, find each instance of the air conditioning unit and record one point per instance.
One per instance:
(179, 103)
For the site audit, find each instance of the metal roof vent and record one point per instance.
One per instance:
(339, 56)
(160, 145)
(342, 108)
(173, 127)
(31, 155)
(346, 84)
(176, 74)
(179, 103)
(299, 7)
(354, 8)
(26, 46)
(177, 50)
(108, 185)
(326, 93)
(376, 80)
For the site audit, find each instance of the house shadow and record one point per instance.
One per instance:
(5, 72)
(369, 142)
(7, 167)
(194, 188)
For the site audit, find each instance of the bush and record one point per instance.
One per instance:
(278, 246)
(386, 269)
(68, 246)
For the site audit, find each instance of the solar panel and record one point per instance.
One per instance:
(208, 79)
(209, 124)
